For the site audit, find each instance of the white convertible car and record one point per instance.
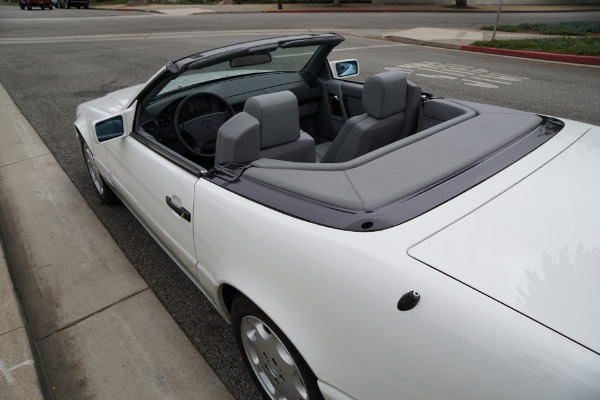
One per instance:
(366, 241)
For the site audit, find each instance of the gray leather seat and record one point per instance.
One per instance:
(392, 106)
(269, 127)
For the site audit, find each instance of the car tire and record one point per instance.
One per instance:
(78, 7)
(22, 6)
(103, 191)
(50, 8)
(29, 8)
(276, 366)
(86, 6)
(67, 4)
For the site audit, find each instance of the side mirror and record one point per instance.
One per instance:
(344, 68)
(109, 129)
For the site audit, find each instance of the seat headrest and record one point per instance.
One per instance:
(384, 94)
(278, 116)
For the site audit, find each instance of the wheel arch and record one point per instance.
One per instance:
(227, 294)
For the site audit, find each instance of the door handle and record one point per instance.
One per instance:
(182, 212)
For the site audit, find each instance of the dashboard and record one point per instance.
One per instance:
(159, 117)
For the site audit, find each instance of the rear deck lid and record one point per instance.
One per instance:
(535, 247)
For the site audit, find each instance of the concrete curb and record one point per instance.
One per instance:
(419, 42)
(334, 11)
(211, 12)
(568, 58)
(21, 372)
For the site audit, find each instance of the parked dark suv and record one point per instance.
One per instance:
(35, 3)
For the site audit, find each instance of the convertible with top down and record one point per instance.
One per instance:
(364, 240)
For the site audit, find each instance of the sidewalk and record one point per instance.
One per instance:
(99, 330)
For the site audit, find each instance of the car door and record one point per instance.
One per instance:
(343, 101)
(157, 188)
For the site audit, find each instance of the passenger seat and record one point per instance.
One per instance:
(392, 108)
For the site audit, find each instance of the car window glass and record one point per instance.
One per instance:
(289, 59)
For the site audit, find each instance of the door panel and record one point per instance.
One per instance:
(160, 192)
(343, 100)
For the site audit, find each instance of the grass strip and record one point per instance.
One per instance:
(580, 46)
(561, 28)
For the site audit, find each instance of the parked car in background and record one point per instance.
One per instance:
(77, 3)
(365, 241)
(35, 3)
(71, 3)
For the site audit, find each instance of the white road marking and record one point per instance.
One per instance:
(471, 76)
(492, 80)
(438, 76)
(480, 84)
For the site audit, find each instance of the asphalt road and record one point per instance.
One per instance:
(63, 22)
(60, 58)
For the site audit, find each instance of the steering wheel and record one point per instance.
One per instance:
(199, 134)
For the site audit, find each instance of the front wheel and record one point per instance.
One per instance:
(277, 368)
(102, 189)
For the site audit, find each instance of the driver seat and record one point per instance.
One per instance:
(269, 127)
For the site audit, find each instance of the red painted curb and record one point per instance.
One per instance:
(332, 11)
(590, 60)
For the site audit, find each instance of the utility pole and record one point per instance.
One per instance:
(497, 18)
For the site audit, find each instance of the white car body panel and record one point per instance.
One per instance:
(116, 101)
(535, 248)
(366, 277)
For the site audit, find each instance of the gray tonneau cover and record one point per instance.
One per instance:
(400, 170)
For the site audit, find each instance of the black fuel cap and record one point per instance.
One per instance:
(408, 301)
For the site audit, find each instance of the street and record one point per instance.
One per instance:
(51, 61)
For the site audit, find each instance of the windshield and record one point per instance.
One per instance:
(289, 59)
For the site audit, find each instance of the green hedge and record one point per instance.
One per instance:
(561, 28)
(581, 46)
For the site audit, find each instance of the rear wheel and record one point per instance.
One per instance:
(277, 368)
(22, 6)
(102, 189)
